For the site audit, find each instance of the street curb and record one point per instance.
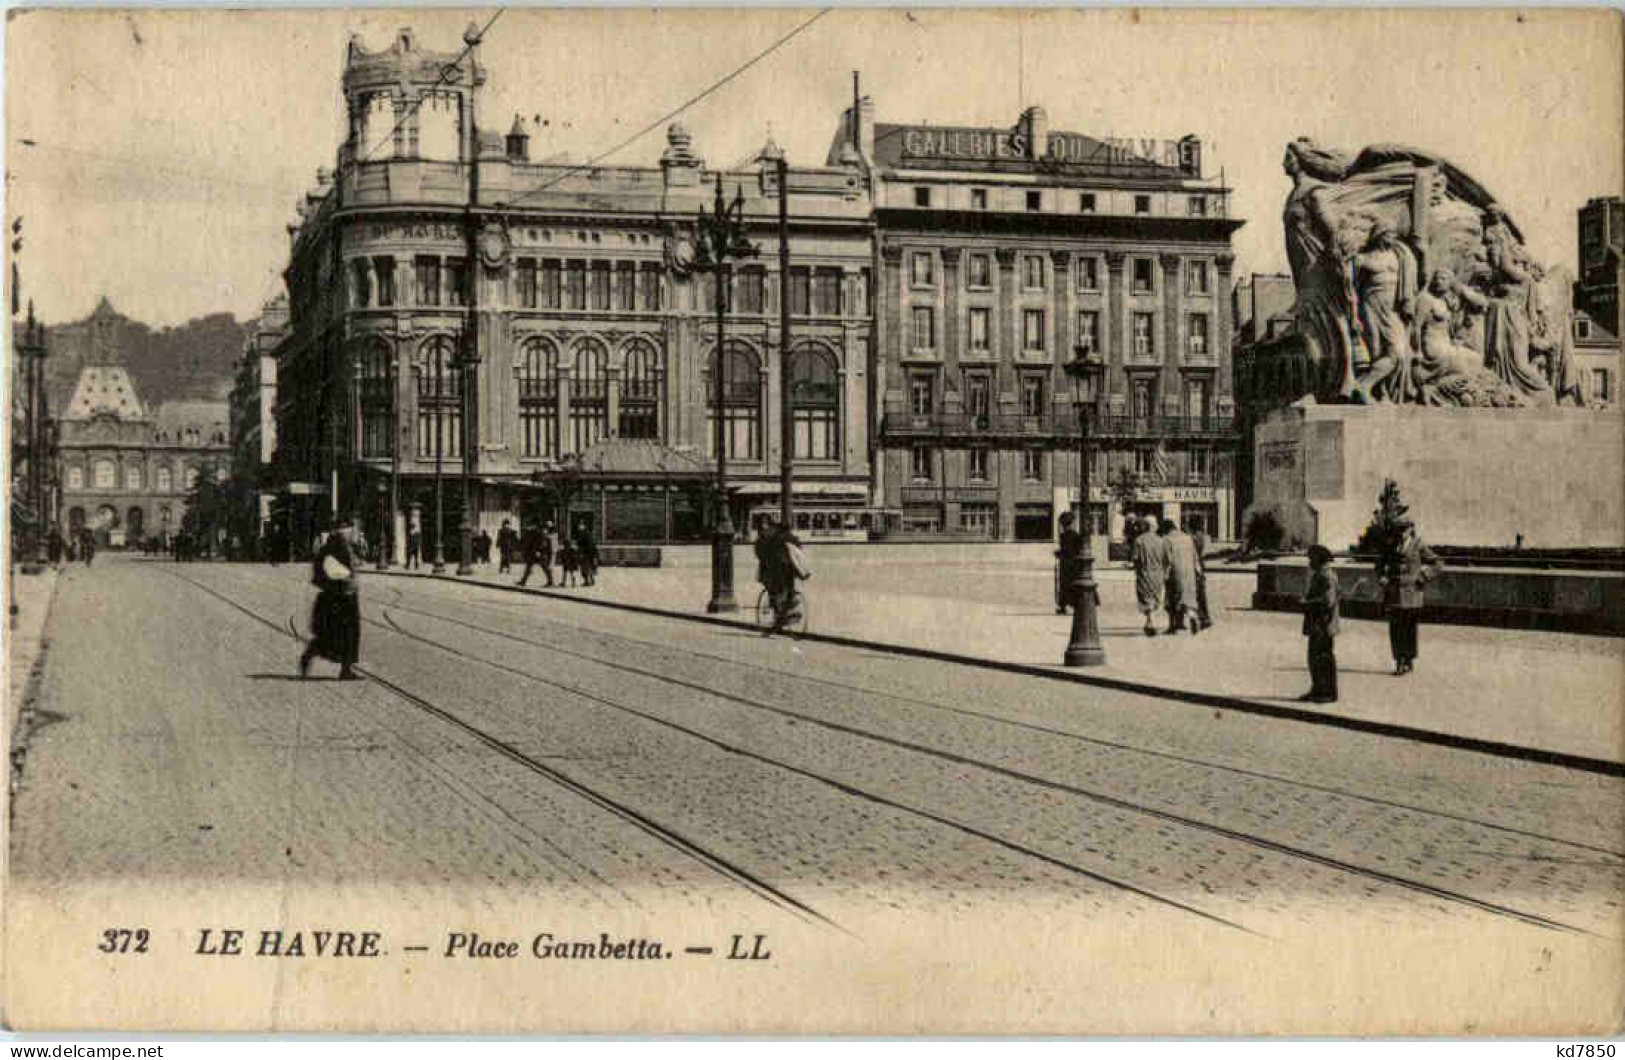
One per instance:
(1601, 766)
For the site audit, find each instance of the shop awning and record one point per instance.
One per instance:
(803, 489)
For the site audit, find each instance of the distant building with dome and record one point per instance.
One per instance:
(126, 467)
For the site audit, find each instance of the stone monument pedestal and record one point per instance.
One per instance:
(1554, 477)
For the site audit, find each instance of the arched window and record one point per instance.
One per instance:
(166, 481)
(76, 478)
(815, 404)
(440, 398)
(106, 475)
(741, 402)
(538, 377)
(640, 392)
(377, 131)
(132, 477)
(136, 521)
(376, 397)
(589, 395)
(191, 478)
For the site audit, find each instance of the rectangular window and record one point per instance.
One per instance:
(1086, 202)
(1035, 201)
(925, 334)
(384, 270)
(1143, 276)
(1032, 395)
(626, 287)
(600, 286)
(525, 283)
(978, 391)
(1032, 330)
(551, 293)
(977, 331)
(1200, 466)
(1088, 331)
(1144, 461)
(1196, 206)
(750, 288)
(979, 272)
(427, 275)
(457, 280)
(1088, 274)
(922, 269)
(1196, 399)
(978, 465)
(1196, 280)
(1600, 385)
(361, 282)
(978, 518)
(1144, 335)
(920, 464)
(1196, 335)
(827, 292)
(649, 284)
(1032, 272)
(1032, 465)
(1142, 204)
(800, 291)
(978, 198)
(575, 284)
(921, 394)
(922, 196)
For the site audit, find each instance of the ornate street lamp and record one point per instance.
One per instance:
(721, 239)
(1084, 647)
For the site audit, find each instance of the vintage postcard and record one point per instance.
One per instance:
(815, 521)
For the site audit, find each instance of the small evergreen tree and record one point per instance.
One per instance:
(1382, 534)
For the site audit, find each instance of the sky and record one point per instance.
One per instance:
(157, 156)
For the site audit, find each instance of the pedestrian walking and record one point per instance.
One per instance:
(537, 546)
(780, 563)
(54, 547)
(414, 548)
(1070, 554)
(87, 546)
(587, 555)
(1403, 571)
(1199, 539)
(507, 545)
(1150, 576)
(1182, 564)
(335, 620)
(1320, 625)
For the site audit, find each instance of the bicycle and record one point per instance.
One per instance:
(795, 622)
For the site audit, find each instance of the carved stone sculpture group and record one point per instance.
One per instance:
(1414, 285)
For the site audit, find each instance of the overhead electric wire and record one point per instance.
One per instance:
(663, 119)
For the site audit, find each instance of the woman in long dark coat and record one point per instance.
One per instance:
(335, 621)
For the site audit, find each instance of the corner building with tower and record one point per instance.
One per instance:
(1006, 253)
(541, 328)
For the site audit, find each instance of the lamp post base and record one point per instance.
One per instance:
(1084, 648)
(722, 570)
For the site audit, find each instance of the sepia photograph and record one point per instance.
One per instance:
(846, 521)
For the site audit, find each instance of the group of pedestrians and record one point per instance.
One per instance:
(543, 546)
(1169, 575)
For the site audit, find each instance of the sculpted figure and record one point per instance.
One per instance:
(1324, 305)
(1445, 372)
(1385, 282)
(1506, 336)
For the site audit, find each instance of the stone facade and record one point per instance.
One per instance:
(253, 421)
(584, 318)
(1005, 254)
(125, 469)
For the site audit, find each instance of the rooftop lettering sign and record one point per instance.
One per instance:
(990, 145)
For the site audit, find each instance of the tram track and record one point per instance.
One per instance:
(717, 863)
(1286, 850)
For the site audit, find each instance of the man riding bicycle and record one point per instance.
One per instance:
(778, 568)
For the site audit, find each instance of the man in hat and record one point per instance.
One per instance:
(1070, 554)
(1150, 575)
(1320, 625)
(1403, 571)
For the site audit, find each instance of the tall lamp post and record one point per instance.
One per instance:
(781, 167)
(469, 351)
(721, 239)
(31, 351)
(1084, 647)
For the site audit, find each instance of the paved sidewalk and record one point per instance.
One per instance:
(1550, 692)
(24, 642)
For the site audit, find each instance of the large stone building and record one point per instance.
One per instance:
(125, 468)
(1007, 253)
(1601, 224)
(253, 422)
(588, 334)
